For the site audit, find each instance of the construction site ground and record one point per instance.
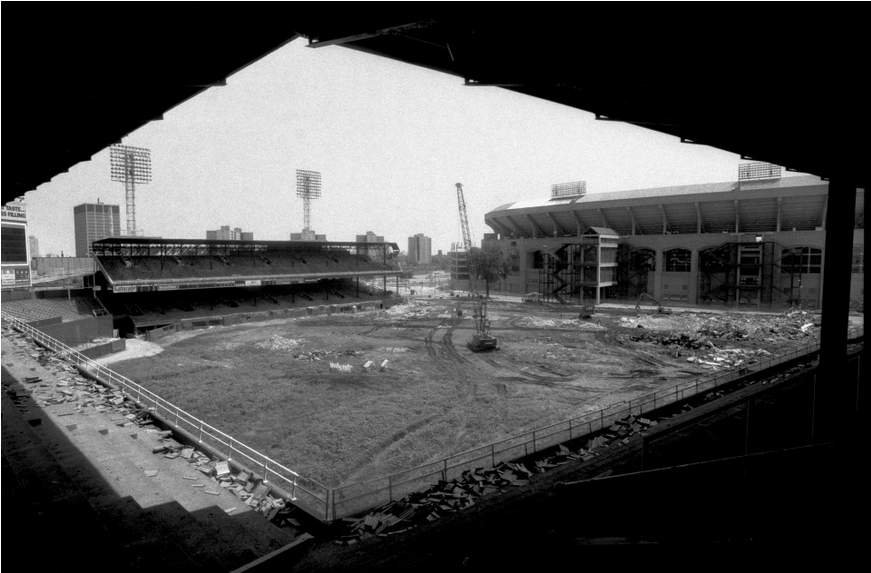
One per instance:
(355, 396)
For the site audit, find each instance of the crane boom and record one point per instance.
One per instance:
(467, 237)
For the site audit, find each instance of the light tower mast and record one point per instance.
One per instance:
(130, 165)
(308, 186)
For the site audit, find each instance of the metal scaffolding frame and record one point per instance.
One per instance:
(747, 273)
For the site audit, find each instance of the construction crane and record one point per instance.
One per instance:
(482, 340)
(467, 239)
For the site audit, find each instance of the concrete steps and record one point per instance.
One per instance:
(77, 485)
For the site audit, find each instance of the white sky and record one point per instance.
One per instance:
(391, 141)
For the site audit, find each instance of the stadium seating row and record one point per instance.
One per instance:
(172, 267)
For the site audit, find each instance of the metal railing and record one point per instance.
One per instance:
(334, 503)
(354, 498)
(309, 494)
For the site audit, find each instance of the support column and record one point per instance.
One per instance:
(657, 275)
(779, 210)
(833, 391)
(693, 290)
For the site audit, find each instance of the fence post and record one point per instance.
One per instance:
(570, 429)
(445, 470)
(176, 416)
(492, 455)
(201, 431)
(230, 455)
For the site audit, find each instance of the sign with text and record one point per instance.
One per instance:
(14, 212)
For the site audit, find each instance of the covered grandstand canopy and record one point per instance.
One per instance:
(794, 203)
(135, 264)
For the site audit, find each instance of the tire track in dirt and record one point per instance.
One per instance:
(387, 446)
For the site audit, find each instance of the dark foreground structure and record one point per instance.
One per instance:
(735, 100)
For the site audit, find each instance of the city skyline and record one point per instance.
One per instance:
(391, 141)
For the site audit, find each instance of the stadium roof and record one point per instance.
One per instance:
(742, 81)
(799, 202)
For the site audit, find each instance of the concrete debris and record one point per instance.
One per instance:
(280, 343)
(341, 367)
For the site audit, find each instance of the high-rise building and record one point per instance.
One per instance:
(34, 247)
(311, 237)
(370, 237)
(95, 221)
(225, 233)
(419, 250)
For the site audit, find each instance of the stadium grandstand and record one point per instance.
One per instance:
(755, 243)
(147, 283)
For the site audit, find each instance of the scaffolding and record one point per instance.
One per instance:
(633, 272)
(749, 274)
(577, 272)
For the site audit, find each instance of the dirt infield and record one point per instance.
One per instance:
(350, 397)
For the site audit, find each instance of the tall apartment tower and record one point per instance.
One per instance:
(419, 250)
(370, 237)
(34, 247)
(94, 221)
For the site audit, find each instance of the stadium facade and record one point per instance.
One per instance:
(755, 243)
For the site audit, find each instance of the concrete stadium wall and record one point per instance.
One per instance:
(56, 265)
(46, 322)
(81, 331)
(243, 317)
(111, 347)
(682, 286)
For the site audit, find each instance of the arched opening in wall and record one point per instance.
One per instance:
(635, 269)
(676, 275)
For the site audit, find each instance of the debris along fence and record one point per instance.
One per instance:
(357, 497)
(334, 503)
(308, 494)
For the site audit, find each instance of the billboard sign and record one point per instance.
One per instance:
(15, 212)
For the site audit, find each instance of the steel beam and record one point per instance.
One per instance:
(536, 226)
(556, 226)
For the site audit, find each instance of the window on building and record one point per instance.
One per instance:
(858, 264)
(802, 260)
(677, 261)
(537, 260)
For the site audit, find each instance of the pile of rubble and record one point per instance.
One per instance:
(418, 508)
(72, 393)
(278, 342)
(730, 358)
(249, 488)
(572, 323)
(321, 354)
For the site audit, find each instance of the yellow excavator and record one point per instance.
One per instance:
(659, 308)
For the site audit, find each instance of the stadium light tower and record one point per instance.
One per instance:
(130, 165)
(308, 186)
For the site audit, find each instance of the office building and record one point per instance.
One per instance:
(95, 221)
(419, 250)
(225, 233)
